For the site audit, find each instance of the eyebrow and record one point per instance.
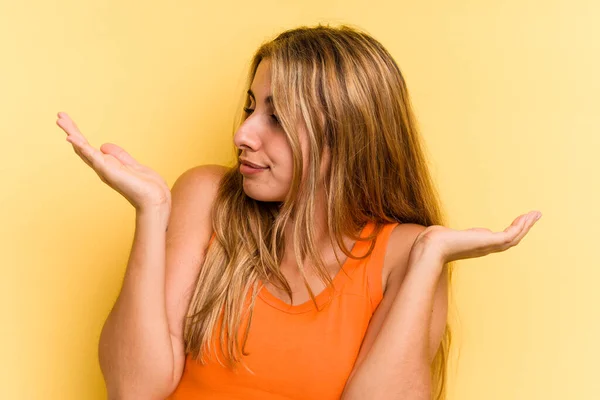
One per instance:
(269, 98)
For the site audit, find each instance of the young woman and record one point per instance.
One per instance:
(315, 268)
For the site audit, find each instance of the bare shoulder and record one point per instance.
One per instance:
(192, 198)
(200, 177)
(397, 253)
(195, 187)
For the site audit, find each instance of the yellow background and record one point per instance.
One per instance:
(506, 93)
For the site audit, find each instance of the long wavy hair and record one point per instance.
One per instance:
(348, 94)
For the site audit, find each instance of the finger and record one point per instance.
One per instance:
(93, 157)
(526, 225)
(119, 153)
(507, 237)
(517, 225)
(69, 126)
(84, 158)
(510, 233)
(518, 222)
(90, 164)
(531, 220)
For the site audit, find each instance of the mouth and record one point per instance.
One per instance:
(252, 165)
(248, 164)
(246, 169)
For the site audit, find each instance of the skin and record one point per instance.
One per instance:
(406, 330)
(263, 141)
(413, 264)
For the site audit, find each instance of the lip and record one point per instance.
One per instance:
(246, 169)
(248, 163)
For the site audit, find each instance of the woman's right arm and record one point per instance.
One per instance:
(141, 345)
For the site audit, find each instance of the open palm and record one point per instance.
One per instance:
(140, 185)
(452, 244)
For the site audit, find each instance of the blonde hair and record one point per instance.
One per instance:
(347, 92)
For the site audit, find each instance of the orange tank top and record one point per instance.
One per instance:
(295, 351)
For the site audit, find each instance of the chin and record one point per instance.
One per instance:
(259, 193)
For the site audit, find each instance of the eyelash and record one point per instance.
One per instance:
(249, 111)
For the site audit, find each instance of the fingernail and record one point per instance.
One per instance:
(538, 216)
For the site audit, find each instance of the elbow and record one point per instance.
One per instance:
(394, 388)
(123, 389)
(398, 393)
(135, 395)
(128, 391)
(130, 375)
(123, 385)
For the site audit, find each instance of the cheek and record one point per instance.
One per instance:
(281, 156)
(281, 172)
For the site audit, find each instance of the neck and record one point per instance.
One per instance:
(324, 247)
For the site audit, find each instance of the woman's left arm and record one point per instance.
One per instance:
(397, 364)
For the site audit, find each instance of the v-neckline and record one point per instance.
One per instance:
(325, 296)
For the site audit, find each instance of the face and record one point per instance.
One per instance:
(263, 142)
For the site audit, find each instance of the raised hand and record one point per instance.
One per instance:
(450, 244)
(140, 185)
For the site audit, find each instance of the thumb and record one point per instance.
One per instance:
(119, 153)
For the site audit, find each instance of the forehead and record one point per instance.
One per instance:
(261, 84)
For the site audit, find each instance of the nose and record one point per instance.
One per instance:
(248, 135)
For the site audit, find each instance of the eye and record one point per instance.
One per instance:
(250, 110)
